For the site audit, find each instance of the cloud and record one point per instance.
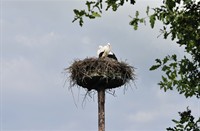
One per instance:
(143, 117)
(32, 41)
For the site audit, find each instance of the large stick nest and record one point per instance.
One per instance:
(96, 73)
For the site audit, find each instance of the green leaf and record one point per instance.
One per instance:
(81, 13)
(165, 68)
(81, 21)
(121, 2)
(134, 23)
(170, 4)
(170, 129)
(90, 16)
(164, 79)
(165, 60)
(135, 27)
(154, 67)
(76, 11)
(158, 61)
(147, 11)
(88, 5)
(79, 16)
(174, 57)
(174, 65)
(136, 14)
(142, 20)
(96, 14)
(132, 2)
(152, 20)
(175, 121)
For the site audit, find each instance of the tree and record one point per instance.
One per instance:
(94, 9)
(186, 122)
(181, 22)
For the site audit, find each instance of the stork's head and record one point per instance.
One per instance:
(109, 46)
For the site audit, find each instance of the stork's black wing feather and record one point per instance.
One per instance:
(100, 54)
(112, 56)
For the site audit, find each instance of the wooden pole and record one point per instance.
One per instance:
(101, 109)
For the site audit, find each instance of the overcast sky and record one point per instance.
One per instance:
(39, 40)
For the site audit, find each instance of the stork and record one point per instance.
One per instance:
(112, 55)
(105, 51)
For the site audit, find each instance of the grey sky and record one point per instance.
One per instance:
(39, 40)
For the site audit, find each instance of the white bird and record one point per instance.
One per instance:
(100, 50)
(105, 51)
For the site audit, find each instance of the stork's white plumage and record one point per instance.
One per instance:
(105, 51)
(101, 49)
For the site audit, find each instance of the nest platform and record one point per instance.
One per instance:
(96, 73)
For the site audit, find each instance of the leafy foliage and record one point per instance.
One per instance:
(181, 74)
(91, 6)
(186, 122)
(135, 20)
(94, 9)
(183, 23)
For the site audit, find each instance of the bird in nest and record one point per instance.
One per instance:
(105, 51)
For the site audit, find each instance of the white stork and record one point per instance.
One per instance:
(105, 51)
